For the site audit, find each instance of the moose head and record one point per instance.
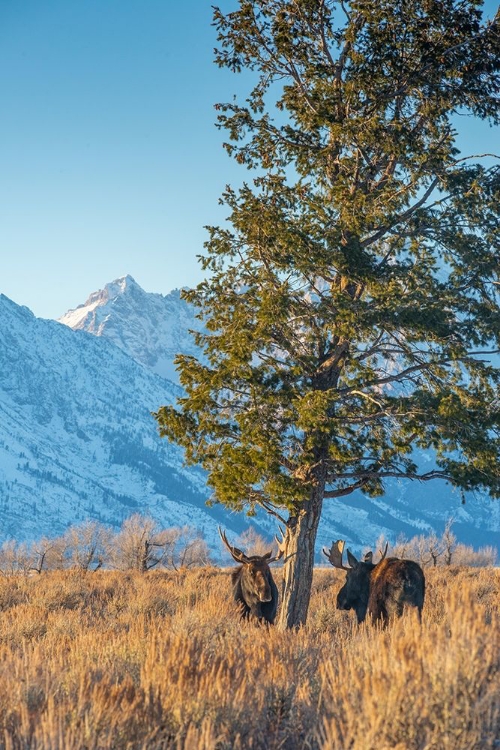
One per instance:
(355, 593)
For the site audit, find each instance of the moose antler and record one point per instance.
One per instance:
(235, 553)
(384, 553)
(281, 545)
(334, 554)
(368, 558)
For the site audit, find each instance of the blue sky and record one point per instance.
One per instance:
(110, 162)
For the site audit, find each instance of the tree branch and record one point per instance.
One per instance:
(341, 492)
(366, 476)
(402, 217)
(267, 505)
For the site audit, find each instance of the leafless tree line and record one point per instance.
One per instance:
(139, 545)
(431, 550)
(142, 545)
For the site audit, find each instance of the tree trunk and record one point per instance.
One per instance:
(299, 561)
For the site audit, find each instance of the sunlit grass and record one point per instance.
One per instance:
(111, 660)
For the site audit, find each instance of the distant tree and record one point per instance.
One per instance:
(14, 557)
(86, 545)
(401, 548)
(433, 551)
(352, 302)
(428, 549)
(449, 542)
(254, 543)
(191, 550)
(480, 558)
(45, 554)
(139, 545)
(59, 558)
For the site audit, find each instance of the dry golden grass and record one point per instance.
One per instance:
(113, 660)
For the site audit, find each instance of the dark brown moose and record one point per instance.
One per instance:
(253, 584)
(381, 589)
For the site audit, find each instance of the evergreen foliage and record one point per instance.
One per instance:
(351, 303)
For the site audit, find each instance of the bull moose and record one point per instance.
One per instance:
(253, 585)
(382, 590)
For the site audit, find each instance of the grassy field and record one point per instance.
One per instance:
(114, 660)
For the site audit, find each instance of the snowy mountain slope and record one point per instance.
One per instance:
(151, 328)
(77, 439)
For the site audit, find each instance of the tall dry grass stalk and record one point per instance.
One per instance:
(111, 661)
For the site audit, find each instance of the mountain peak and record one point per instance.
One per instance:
(80, 316)
(152, 328)
(123, 284)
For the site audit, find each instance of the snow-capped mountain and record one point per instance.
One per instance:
(151, 328)
(77, 439)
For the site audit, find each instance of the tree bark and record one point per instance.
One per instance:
(300, 539)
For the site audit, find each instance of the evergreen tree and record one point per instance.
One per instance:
(352, 302)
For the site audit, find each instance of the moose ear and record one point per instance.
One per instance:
(351, 559)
